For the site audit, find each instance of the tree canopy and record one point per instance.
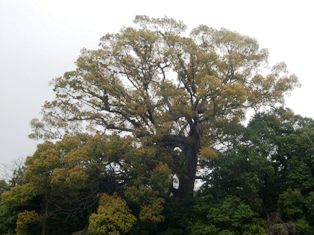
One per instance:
(164, 86)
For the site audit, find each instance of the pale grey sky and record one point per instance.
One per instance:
(40, 39)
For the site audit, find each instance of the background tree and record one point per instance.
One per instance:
(269, 166)
(162, 86)
(36, 188)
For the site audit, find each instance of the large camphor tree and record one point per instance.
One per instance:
(165, 87)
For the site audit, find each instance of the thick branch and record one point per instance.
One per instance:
(174, 140)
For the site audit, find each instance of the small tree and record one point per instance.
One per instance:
(113, 217)
(163, 86)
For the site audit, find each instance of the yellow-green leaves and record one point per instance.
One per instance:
(73, 178)
(147, 193)
(20, 194)
(160, 177)
(163, 25)
(270, 89)
(40, 166)
(151, 80)
(208, 85)
(113, 217)
(208, 153)
(152, 211)
(26, 219)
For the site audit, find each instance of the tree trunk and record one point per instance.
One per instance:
(45, 215)
(187, 179)
(190, 148)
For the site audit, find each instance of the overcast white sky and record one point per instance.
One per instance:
(40, 39)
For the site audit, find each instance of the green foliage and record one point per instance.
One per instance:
(309, 208)
(203, 229)
(302, 226)
(229, 215)
(257, 228)
(3, 186)
(7, 219)
(172, 231)
(235, 215)
(269, 165)
(243, 172)
(291, 204)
